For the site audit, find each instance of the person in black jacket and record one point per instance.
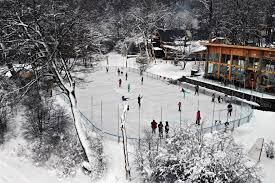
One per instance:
(160, 126)
(166, 128)
(139, 101)
(229, 108)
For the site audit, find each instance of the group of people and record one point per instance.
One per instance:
(155, 125)
(138, 99)
(220, 99)
(126, 78)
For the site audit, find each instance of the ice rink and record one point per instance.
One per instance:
(159, 101)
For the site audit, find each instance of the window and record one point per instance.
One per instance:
(253, 62)
(225, 59)
(214, 57)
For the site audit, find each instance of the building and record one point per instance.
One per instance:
(175, 45)
(162, 38)
(243, 66)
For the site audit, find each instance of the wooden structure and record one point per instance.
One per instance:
(245, 66)
(161, 37)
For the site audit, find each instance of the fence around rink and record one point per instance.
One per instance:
(217, 125)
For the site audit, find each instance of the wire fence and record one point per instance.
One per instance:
(218, 123)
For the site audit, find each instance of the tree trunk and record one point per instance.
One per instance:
(81, 130)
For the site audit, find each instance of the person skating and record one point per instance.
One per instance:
(154, 126)
(213, 97)
(139, 100)
(225, 98)
(179, 105)
(197, 89)
(118, 71)
(107, 69)
(226, 124)
(119, 82)
(160, 126)
(142, 80)
(198, 118)
(129, 87)
(230, 108)
(219, 99)
(166, 128)
(183, 91)
(126, 76)
(124, 98)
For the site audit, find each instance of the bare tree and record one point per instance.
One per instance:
(45, 35)
(145, 18)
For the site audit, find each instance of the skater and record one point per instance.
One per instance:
(128, 108)
(160, 129)
(226, 124)
(213, 97)
(166, 128)
(142, 80)
(124, 98)
(129, 87)
(198, 118)
(225, 98)
(141, 72)
(126, 76)
(219, 99)
(154, 126)
(183, 91)
(119, 83)
(139, 100)
(197, 89)
(107, 69)
(229, 108)
(118, 71)
(179, 104)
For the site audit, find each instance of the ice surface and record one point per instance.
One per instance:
(159, 102)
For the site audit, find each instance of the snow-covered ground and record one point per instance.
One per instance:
(262, 125)
(16, 168)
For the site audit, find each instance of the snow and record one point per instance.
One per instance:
(15, 167)
(262, 125)
(157, 48)
(115, 163)
(194, 46)
(169, 70)
(18, 67)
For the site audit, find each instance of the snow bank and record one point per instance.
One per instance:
(262, 125)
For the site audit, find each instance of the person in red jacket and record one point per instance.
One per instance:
(198, 118)
(154, 126)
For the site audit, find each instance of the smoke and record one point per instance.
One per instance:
(184, 16)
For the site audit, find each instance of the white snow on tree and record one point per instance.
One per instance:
(186, 157)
